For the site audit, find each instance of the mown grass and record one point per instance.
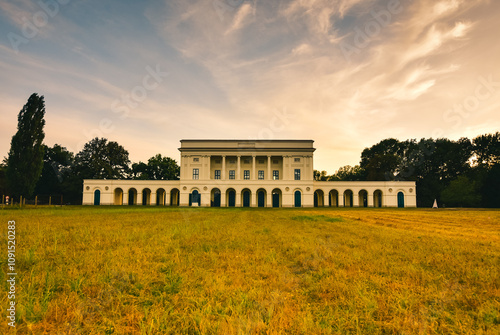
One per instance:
(123, 270)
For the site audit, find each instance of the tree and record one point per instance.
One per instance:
(100, 159)
(158, 168)
(57, 175)
(487, 149)
(348, 173)
(320, 175)
(3, 180)
(25, 161)
(491, 187)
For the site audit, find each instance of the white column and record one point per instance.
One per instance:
(167, 198)
(269, 177)
(254, 176)
(238, 170)
(223, 172)
(209, 158)
(326, 199)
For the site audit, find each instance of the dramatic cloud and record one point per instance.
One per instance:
(346, 73)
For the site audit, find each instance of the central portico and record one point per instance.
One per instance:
(256, 170)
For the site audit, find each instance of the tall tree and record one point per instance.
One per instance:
(102, 159)
(25, 161)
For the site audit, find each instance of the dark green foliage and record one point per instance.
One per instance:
(461, 192)
(348, 173)
(57, 175)
(491, 187)
(158, 168)
(25, 161)
(101, 159)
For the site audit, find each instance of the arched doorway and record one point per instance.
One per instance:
(97, 197)
(146, 196)
(231, 197)
(246, 197)
(401, 200)
(298, 198)
(276, 195)
(261, 198)
(348, 195)
(363, 198)
(215, 198)
(319, 197)
(132, 196)
(174, 197)
(118, 199)
(194, 198)
(160, 197)
(333, 198)
(377, 198)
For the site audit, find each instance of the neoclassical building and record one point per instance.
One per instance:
(248, 173)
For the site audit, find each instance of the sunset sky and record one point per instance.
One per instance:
(345, 73)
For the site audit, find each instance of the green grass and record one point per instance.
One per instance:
(136, 270)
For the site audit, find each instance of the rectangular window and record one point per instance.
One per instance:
(246, 174)
(217, 161)
(232, 161)
(246, 161)
(196, 174)
(217, 174)
(297, 174)
(276, 175)
(261, 161)
(296, 160)
(196, 159)
(261, 174)
(275, 161)
(232, 174)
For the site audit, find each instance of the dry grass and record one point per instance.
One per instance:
(98, 270)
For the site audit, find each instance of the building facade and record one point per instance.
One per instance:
(248, 173)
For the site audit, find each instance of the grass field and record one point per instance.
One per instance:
(123, 270)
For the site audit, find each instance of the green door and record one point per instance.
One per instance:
(401, 200)
(276, 199)
(261, 198)
(298, 199)
(232, 199)
(216, 202)
(246, 199)
(97, 197)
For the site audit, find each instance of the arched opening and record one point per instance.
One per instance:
(348, 195)
(231, 197)
(194, 198)
(215, 197)
(333, 198)
(401, 200)
(377, 198)
(132, 196)
(160, 197)
(97, 197)
(118, 198)
(246, 194)
(174, 197)
(298, 198)
(146, 196)
(276, 194)
(261, 197)
(319, 197)
(363, 198)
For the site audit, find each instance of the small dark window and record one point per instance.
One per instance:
(297, 174)
(296, 160)
(217, 174)
(231, 174)
(276, 175)
(246, 174)
(196, 174)
(261, 174)
(196, 159)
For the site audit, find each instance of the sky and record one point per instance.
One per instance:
(344, 73)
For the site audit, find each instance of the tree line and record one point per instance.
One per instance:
(462, 173)
(33, 168)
